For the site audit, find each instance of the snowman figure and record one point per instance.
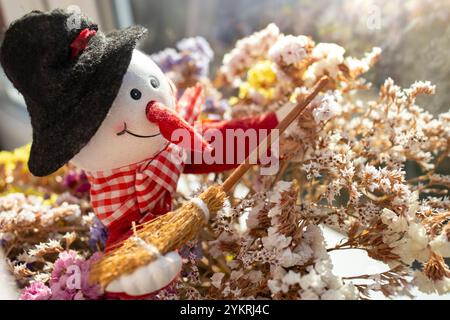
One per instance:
(96, 101)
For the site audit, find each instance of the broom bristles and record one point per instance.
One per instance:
(185, 223)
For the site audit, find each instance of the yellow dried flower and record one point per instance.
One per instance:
(11, 159)
(261, 80)
(262, 75)
(52, 200)
(244, 90)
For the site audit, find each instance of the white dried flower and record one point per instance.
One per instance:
(329, 56)
(216, 280)
(441, 245)
(327, 109)
(289, 50)
(7, 236)
(330, 51)
(413, 246)
(309, 295)
(291, 278)
(428, 285)
(360, 66)
(312, 281)
(274, 240)
(26, 216)
(274, 286)
(395, 222)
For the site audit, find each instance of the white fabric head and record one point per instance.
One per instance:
(107, 150)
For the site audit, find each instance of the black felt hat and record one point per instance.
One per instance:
(68, 96)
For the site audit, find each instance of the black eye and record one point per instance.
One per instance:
(154, 82)
(136, 94)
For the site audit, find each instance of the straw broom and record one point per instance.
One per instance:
(173, 230)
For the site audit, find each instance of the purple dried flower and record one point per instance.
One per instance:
(192, 251)
(70, 278)
(192, 52)
(78, 182)
(197, 46)
(36, 291)
(216, 106)
(167, 59)
(83, 188)
(70, 180)
(83, 176)
(98, 235)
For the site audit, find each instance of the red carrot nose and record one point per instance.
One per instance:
(175, 129)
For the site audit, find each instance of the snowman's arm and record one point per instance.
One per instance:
(227, 130)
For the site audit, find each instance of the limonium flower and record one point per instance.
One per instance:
(260, 81)
(262, 75)
(98, 235)
(167, 59)
(215, 106)
(200, 50)
(10, 159)
(194, 54)
(70, 278)
(289, 49)
(36, 291)
(327, 109)
(77, 181)
(329, 56)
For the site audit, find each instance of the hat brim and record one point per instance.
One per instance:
(55, 146)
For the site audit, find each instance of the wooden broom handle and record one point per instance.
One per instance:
(234, 178)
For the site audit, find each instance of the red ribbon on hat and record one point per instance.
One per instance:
(81, 42)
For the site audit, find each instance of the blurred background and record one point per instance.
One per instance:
(414, 34)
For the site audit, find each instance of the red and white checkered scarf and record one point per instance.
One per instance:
(147, 186)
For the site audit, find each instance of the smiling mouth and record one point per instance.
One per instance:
(126, 131)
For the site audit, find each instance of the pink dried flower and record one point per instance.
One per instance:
(36, 291)
(70, 278)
